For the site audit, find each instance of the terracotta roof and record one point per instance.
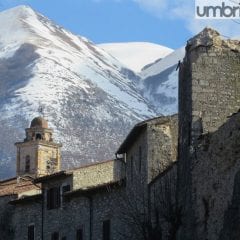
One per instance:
(16, 186)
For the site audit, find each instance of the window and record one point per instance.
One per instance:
(27, 164)
(131, 168)
(53, 198)
(140, 159)
(79, 234)
(31, 232)
(38, 136)
(55, 236)
(106, 230)
(64, 238)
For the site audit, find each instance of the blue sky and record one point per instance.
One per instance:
(166, 22)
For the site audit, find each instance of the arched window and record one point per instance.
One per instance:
(38, 136)
(27, 164)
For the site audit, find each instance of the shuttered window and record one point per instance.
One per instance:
(27, 164)
(106, 230)
(31, 232)
(79, 234)
(140, 158)
(53, 198)
(55, 236)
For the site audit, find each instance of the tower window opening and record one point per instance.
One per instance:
(27, 164)
(38, 136)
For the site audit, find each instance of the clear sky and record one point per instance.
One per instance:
(167, 22)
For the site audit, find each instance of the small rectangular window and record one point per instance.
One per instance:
(27, 164)
(53, 198)
(31, 232)
(140, 159)
(106, 229)
(64, 238)
(131, 168)
(79, 234)
(55, 236)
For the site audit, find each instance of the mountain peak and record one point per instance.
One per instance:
(19, 11)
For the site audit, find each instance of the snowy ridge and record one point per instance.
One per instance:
(160, 82)
(80, 57)
(136, 55)
(169, 61)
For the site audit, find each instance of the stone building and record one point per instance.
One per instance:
(105, 200)
(175, 177)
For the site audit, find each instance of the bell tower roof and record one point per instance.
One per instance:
(39, 122)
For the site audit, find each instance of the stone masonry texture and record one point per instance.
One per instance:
(209, 94)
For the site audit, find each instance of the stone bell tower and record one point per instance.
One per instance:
(38, 154)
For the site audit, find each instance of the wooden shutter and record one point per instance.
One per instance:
(49, 199)
(55, 236)
(31, 232)
(79, 234)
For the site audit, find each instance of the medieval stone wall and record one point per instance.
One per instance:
(97, 174)
(24, 216)
(162, 145)
(6, 220)
(165, 217)
(209, 89)
(216, 183)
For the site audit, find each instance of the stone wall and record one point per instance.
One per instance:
(7, 230)
(25, 215)
(85, 210)
(162, 145)
(209, 92)
(40, 154)
(153, 150)
(165, 216)
(99, 173)
(215, 178)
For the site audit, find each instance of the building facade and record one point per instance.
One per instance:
(105, 200)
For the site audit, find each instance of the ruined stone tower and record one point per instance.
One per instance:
(38, 154)
(209, 92)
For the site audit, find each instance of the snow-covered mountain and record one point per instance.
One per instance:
(136, 55)
(90, 99)
(90, 94)
(160, 82)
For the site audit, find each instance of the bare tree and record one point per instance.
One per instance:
(150, 210)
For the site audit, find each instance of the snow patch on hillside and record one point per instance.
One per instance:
(167, 62)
